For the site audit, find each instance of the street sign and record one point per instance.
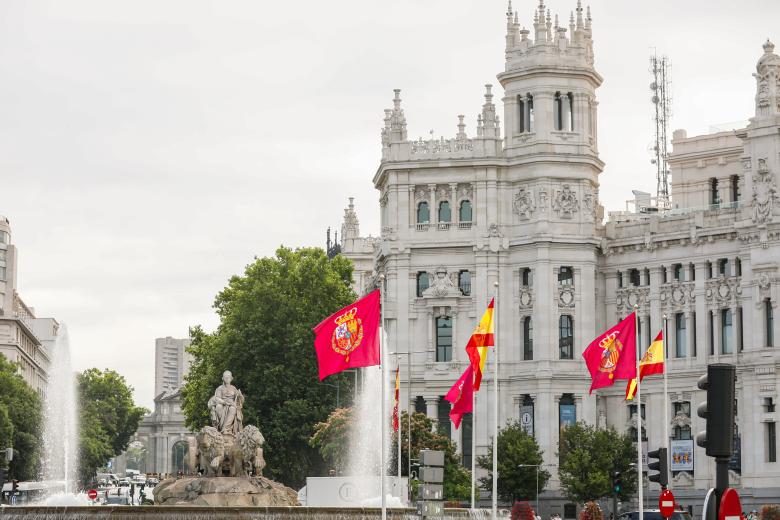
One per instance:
(730, 508)
(92, 494)
(432, 491)
(666, 503)
(432, 475)
(709, 512)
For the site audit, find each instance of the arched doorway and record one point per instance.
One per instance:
(179, 453)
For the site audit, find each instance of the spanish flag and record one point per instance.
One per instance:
(480, 340)
(651, 363)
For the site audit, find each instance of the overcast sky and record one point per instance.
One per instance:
(149, 149)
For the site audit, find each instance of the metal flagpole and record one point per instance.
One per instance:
(666, 392)
(409, 426)
(382, 366)
(495, 402)
(398, 407)
(638, 415)
(473, 446)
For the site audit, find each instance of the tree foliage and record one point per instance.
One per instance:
(108, 418)
(23, 408)
(331, 438)
(457, 479)
(589, 455)
(265, 338)
(515, 448)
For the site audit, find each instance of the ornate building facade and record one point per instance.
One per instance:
(521, 210)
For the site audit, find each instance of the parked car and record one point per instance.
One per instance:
(654, 514)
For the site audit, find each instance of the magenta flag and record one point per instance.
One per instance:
(612, 355)
(461, 396)
(349, 338)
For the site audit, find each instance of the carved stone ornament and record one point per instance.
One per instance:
(763, 281)
(388, 233)
(589, 202)
(543, 200)
(565, 202)
(566, 297)
(523, 203)
(464, 191)
(680, 419)
(421, 193)
(683, 480)
(442, 194)
(764, 195)
(442, 285)
(526, 298)
(383, 200)
(493, 230)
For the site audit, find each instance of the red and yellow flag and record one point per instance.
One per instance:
(480, 340)
(395, 398)
(651, 363)
(612, 355)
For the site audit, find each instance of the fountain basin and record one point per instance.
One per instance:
(221, 513)
(224, 491)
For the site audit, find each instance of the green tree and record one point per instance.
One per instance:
(588, 456)
(108, 418)
(330, 438)
(515, 448)
(457, 479)
(265, 338)
(136, 456)
(24, 410)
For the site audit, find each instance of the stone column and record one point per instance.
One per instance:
(432, 410)
(431, 353)
(545, 343)
(716, 332)
(455, 214)
(701, 312)
(412, 210)
(434, 212)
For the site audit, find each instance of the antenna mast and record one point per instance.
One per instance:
(662, 104)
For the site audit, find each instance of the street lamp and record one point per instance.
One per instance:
(537, 466)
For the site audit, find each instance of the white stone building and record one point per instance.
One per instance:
(522, 210)
(24, 339)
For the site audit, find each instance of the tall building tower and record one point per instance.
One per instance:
(461, 214)
(171, 363)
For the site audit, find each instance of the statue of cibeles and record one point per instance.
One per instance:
(225, 407)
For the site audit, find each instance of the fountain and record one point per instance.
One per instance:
(60, 437)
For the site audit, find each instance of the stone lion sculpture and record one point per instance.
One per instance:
(246, 453)
(211, 451)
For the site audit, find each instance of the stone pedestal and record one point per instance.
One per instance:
(224, 491)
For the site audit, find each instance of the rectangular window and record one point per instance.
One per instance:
(632, 411)
(691, 272)
(565, 275)
(466, 432)
(726, 327)
(740, 342)
(695, 337)
(678, 272)
(682, 407)
(526, 277)
(723, 266)
(711, 321)
(735, 188)
(708, 268)
(738, 266)
(771, 442)
(419, 405)
(679, 338)
(769, 405)
(423, 282)
(443, 416)
(664, 278)
(633, 277)
(619, 279)
(528, 339)
(464, 283)
(769, 323)
(566, 337)
(444, 339)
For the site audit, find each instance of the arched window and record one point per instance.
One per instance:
(423, 282)
(423, 213)
(445, 214)
(566, 336)
(520, 114)
(570, 109)
(465, 211)
(444, 338)
(714, 197)
(528, 339)
(529, 109)
(558, 111)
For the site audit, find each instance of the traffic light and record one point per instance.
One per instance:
(662, 465)
(617, 482)
(718, 410)
(14, 485)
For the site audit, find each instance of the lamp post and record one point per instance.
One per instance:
(537, 466)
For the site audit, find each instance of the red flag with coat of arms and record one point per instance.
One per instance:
(612, 355)
(461, 395)
(349, 338)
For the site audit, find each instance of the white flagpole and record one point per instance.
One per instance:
(398, 407)
(473, 445)
(666, 393)
(382, 366)
(638, 416)
(409, 412)
(495, 403)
